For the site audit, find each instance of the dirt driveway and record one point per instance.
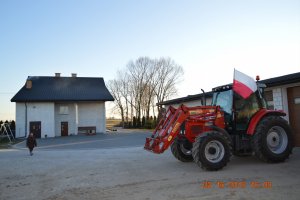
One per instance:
(132, 173)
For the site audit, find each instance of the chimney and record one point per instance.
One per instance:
(74, 75)
(57, 74)
(28, 84)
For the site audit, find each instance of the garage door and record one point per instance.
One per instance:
(294, 111)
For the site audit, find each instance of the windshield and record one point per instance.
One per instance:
(223, 99)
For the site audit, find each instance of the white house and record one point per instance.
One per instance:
(282, 93)
(61, 106)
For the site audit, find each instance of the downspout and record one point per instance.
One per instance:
(76, 119)
(25, 119)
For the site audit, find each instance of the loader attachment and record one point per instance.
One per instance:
(199, 119)
(167, 129)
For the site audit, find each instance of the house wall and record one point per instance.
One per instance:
(92, 114)
(79, 115)
(20, 119)
(69, 117)
(280, 98)
(43, 112)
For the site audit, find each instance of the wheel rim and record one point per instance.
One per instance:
(185, 151)
(214, 151)
(277, 139)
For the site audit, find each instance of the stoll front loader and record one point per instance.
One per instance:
(209, 135)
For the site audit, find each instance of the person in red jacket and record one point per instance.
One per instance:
(31, 143)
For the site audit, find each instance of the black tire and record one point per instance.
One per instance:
(182, 150)
(212, 150)
(273, 140)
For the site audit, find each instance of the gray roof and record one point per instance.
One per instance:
(57, 89)
(187, 98)
(282, 80)
(276, 81)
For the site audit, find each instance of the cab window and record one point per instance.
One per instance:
(224, 100)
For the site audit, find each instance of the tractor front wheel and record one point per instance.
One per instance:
(273, 141)
(212, 150)
(181, 148)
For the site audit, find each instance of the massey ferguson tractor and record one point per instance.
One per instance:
(209, 135)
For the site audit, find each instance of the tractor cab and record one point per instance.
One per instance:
(237, 110)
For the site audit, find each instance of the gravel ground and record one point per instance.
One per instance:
(132, 173)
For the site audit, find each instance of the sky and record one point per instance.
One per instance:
(96, 38)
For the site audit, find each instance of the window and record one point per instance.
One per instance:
(63, 110)
(244, 110)
(224, 100)
(269, 98)
(246, 107)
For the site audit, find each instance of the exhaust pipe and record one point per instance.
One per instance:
(204, 98)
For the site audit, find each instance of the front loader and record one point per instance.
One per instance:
(209, 135)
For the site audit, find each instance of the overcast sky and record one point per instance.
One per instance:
(96, 38)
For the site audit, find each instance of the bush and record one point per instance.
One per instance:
(138, 123)
(128, 124)
(155, 121)
(143, 121)
(147, 123)
(150, 123)
(13, 125)
(134, 123)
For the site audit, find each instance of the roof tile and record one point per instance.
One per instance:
(46, 88)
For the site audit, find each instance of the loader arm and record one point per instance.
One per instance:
(167, 129)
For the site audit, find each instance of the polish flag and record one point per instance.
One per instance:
(243, 84)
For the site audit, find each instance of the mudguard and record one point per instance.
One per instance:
(259, 115)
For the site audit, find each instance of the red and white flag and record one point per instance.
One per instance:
(243, 84)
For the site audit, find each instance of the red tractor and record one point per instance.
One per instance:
(209, 135)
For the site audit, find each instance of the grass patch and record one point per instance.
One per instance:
(6, 144)
(110, 123)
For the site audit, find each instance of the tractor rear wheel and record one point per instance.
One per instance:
(273, 141)
(212, 150)
(182, 149)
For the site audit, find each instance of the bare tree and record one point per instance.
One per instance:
(149, 93)
(114, 87)
(140, 77)
(124, 88)
(168, 75)
(143, 82)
